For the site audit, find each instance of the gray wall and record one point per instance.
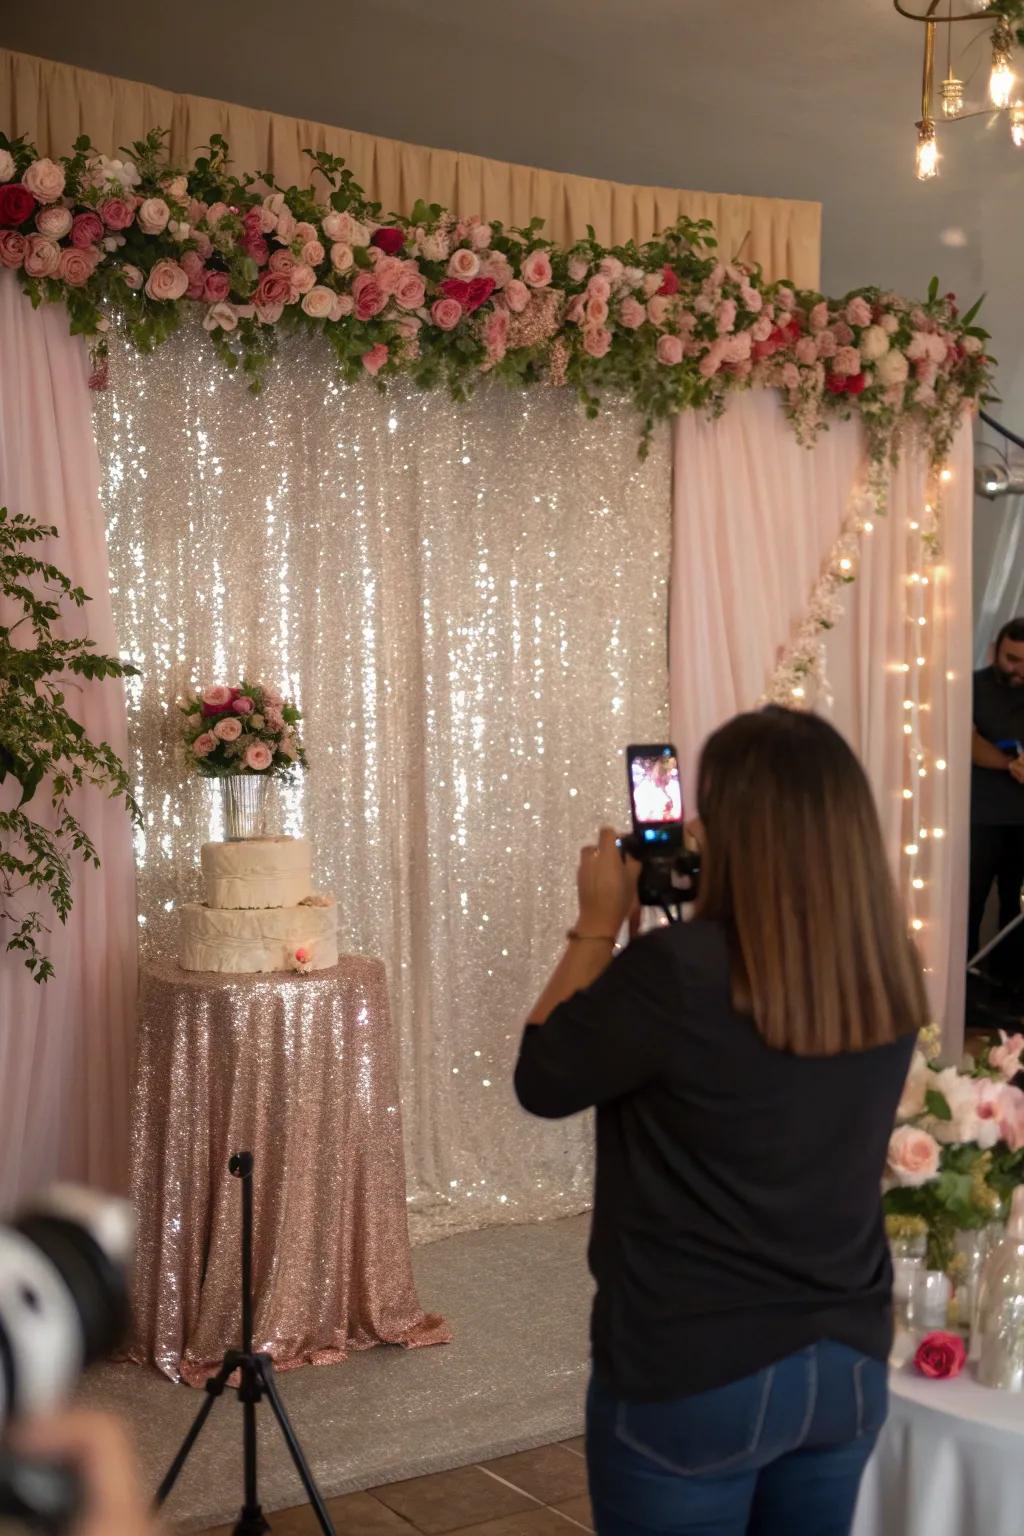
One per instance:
(791, 98)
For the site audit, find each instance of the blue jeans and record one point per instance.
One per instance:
(777, 1454)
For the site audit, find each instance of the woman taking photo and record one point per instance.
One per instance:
(746, 1068)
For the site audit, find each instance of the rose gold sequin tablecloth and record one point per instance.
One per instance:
(299, 1070)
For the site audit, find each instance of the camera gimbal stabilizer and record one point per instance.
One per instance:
(669, 871)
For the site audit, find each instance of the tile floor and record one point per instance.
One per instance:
(535, 1493)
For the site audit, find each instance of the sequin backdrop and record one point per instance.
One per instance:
(469, 604)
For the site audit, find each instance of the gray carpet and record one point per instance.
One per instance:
(517, 1299)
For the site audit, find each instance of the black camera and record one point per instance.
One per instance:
(669, 871)
(63, 1304)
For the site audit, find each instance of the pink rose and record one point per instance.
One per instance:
(761, 328)
(220, 317)
(517, 296)
(274, 717)
(175, 187)
(725, 319)
(269, 314)
(12, 248)
(575, 310)
(578, 268)
(216, 698)
(318, 302)
(304, 232)
(464, 264)
(342, 258)
(596, 340)
(737, 348)
(153, 216)
(786, 298)
(313, 253)
(204, 744)
(117, 212)
(285, 230)
(55, 222)
(480, 235)
(807, 350)
(272, 288)
(599, 287)
(133, 276)
(846, 362)
(446, 313)
(818, 318)
(215, 213)
(228, 730)
(192, 263)
(283, 262)
(303, 278)
(537, 269)
(369, 300)
(669, 350)
(374, 360)
(167, 281)
(657, 309)
(242, 705)
(858, 311)
(941, 1355)
(889, 324)
(411, 291)
(42, 256)
(611, 268)
(827, 344)
(597, 311)
(913, 1156)
(77, 266)
(751, 299)
(258, 756)
(341, 227)
(44, 180)
(216, 287)
(388, 274)
(343, 305)
(1005, 1057)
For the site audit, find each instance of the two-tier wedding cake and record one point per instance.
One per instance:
(260, 911)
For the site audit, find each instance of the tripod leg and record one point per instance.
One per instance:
(269, 1384)
(214, 1389)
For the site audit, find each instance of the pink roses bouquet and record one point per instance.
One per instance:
(957, 1152)
(249, 729)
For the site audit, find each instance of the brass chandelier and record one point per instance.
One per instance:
(1005, 20)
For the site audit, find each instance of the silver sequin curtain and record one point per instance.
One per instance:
(469, 604)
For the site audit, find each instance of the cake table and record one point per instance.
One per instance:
(299, 1070)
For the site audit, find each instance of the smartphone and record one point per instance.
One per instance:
(655, 793)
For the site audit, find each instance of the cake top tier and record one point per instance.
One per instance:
(257, 872)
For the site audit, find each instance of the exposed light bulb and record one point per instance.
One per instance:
(945, 476)
(908, 703)
(1002, 79)
(908, 730)
(926, 162)
(917, 925)
(918, 884)
(914, 527)
(938, 831)
(920, 661)
(910, 849)
(798, 693)
(952, 96)
(1017, 124)
(940, 764)
(869, 527)
(908, 794)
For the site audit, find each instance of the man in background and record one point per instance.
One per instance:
(997, 798)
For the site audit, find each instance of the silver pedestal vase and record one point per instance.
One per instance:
(244, 798)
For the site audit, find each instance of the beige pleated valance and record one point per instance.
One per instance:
(54, 103)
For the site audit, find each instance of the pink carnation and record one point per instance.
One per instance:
(842, 333)
(258, 756)
(374, 360)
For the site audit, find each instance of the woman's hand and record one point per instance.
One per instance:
(606, 884)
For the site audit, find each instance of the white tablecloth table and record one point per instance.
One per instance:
(950, 1462)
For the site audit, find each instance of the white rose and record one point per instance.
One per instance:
(874, 343)
(971, 345)
(893, 368)
(55, 223)
(44, 180)
(153, 216)
(176, 187)
(318, 302)
(889, 324)
(178, 230)
(341, 256)
(6, 165)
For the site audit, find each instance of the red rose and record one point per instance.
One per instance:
(856, 384)
(941, 1355)
(480, 290)
(762, 349)
(669, 281)
(455, 288)
(16, 204)
(86, 229)
(389, 240)
(837, 383)
(786, 334)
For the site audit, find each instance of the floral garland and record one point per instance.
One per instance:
(668, 323)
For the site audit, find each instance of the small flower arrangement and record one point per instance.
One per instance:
(302, 960)
(249, 729)
(957, 1152)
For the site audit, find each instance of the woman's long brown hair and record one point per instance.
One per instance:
(795, 869)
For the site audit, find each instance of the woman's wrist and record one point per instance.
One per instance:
(586, 933)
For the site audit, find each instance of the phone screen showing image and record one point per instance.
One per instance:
(655, 790)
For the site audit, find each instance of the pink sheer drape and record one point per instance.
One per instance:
(65, 1046)
(755, 516)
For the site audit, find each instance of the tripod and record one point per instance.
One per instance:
(256, 1381)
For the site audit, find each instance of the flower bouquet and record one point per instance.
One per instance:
(246, 730)
(957, 1152)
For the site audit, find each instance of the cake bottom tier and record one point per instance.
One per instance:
(270, 939)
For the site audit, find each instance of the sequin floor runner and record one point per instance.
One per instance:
(518, 1300)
